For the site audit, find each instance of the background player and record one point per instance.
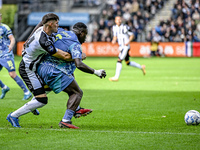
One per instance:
(7, 42)
(124, 36)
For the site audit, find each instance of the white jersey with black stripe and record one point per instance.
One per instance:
(122, 33)
(37, 46)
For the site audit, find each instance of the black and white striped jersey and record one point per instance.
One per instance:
(37, 46)
(122, 33)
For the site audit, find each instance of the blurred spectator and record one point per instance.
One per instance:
(95, 36)
(135, 12)
(182, 26)
(155, 45)
(135, 7)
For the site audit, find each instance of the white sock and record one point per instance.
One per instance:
(65, 120)
(118, 69)
(5, 87)
(26, 93)
(134, 64)
(28, 107)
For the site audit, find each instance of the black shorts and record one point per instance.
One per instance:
(32, 79)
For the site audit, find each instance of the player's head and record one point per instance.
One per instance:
(51, 20)
(80, 29)
(118, 20)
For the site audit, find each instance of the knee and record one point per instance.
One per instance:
(43, 100)
(12, 74)
(119, 61)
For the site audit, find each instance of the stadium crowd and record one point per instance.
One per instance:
(136, 13)
(183, 25)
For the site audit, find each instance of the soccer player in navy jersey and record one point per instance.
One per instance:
(58, 74)
(7, 42)
(123, 35)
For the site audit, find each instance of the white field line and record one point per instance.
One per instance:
(102, 131)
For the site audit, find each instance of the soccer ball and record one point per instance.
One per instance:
(192, 117)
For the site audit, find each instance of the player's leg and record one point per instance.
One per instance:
(4, 88)
(18, 80)
(134, 64)
(117, 71)
(121, 57)
(35, 85)
(2, 85)
(10, 66)
(75, 96)
(32, 81)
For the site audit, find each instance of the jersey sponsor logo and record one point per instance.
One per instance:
(50, 48)
(47, 43)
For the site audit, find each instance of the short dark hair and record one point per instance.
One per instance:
(79, 27)
(48, 17)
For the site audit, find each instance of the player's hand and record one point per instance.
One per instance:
(100, 73)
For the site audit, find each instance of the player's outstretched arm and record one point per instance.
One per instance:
(83, 67)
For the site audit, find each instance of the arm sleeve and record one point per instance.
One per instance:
(128, 30)
(47, 44)
(8, 30)
(76, 51)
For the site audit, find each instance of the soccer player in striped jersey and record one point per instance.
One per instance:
(124, 36)
(7, 42)
(40, 43)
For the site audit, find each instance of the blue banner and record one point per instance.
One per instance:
(66, 19)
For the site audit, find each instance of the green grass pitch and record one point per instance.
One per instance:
(137, 112)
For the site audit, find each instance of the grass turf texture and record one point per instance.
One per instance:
(137, 112)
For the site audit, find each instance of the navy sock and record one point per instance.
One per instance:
(21, 83)
(68, 114)
(1, 84)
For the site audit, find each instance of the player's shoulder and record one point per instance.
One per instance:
(115, 26)
(5, 26)
(38, 32)
(62, 32)
(125, 26)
